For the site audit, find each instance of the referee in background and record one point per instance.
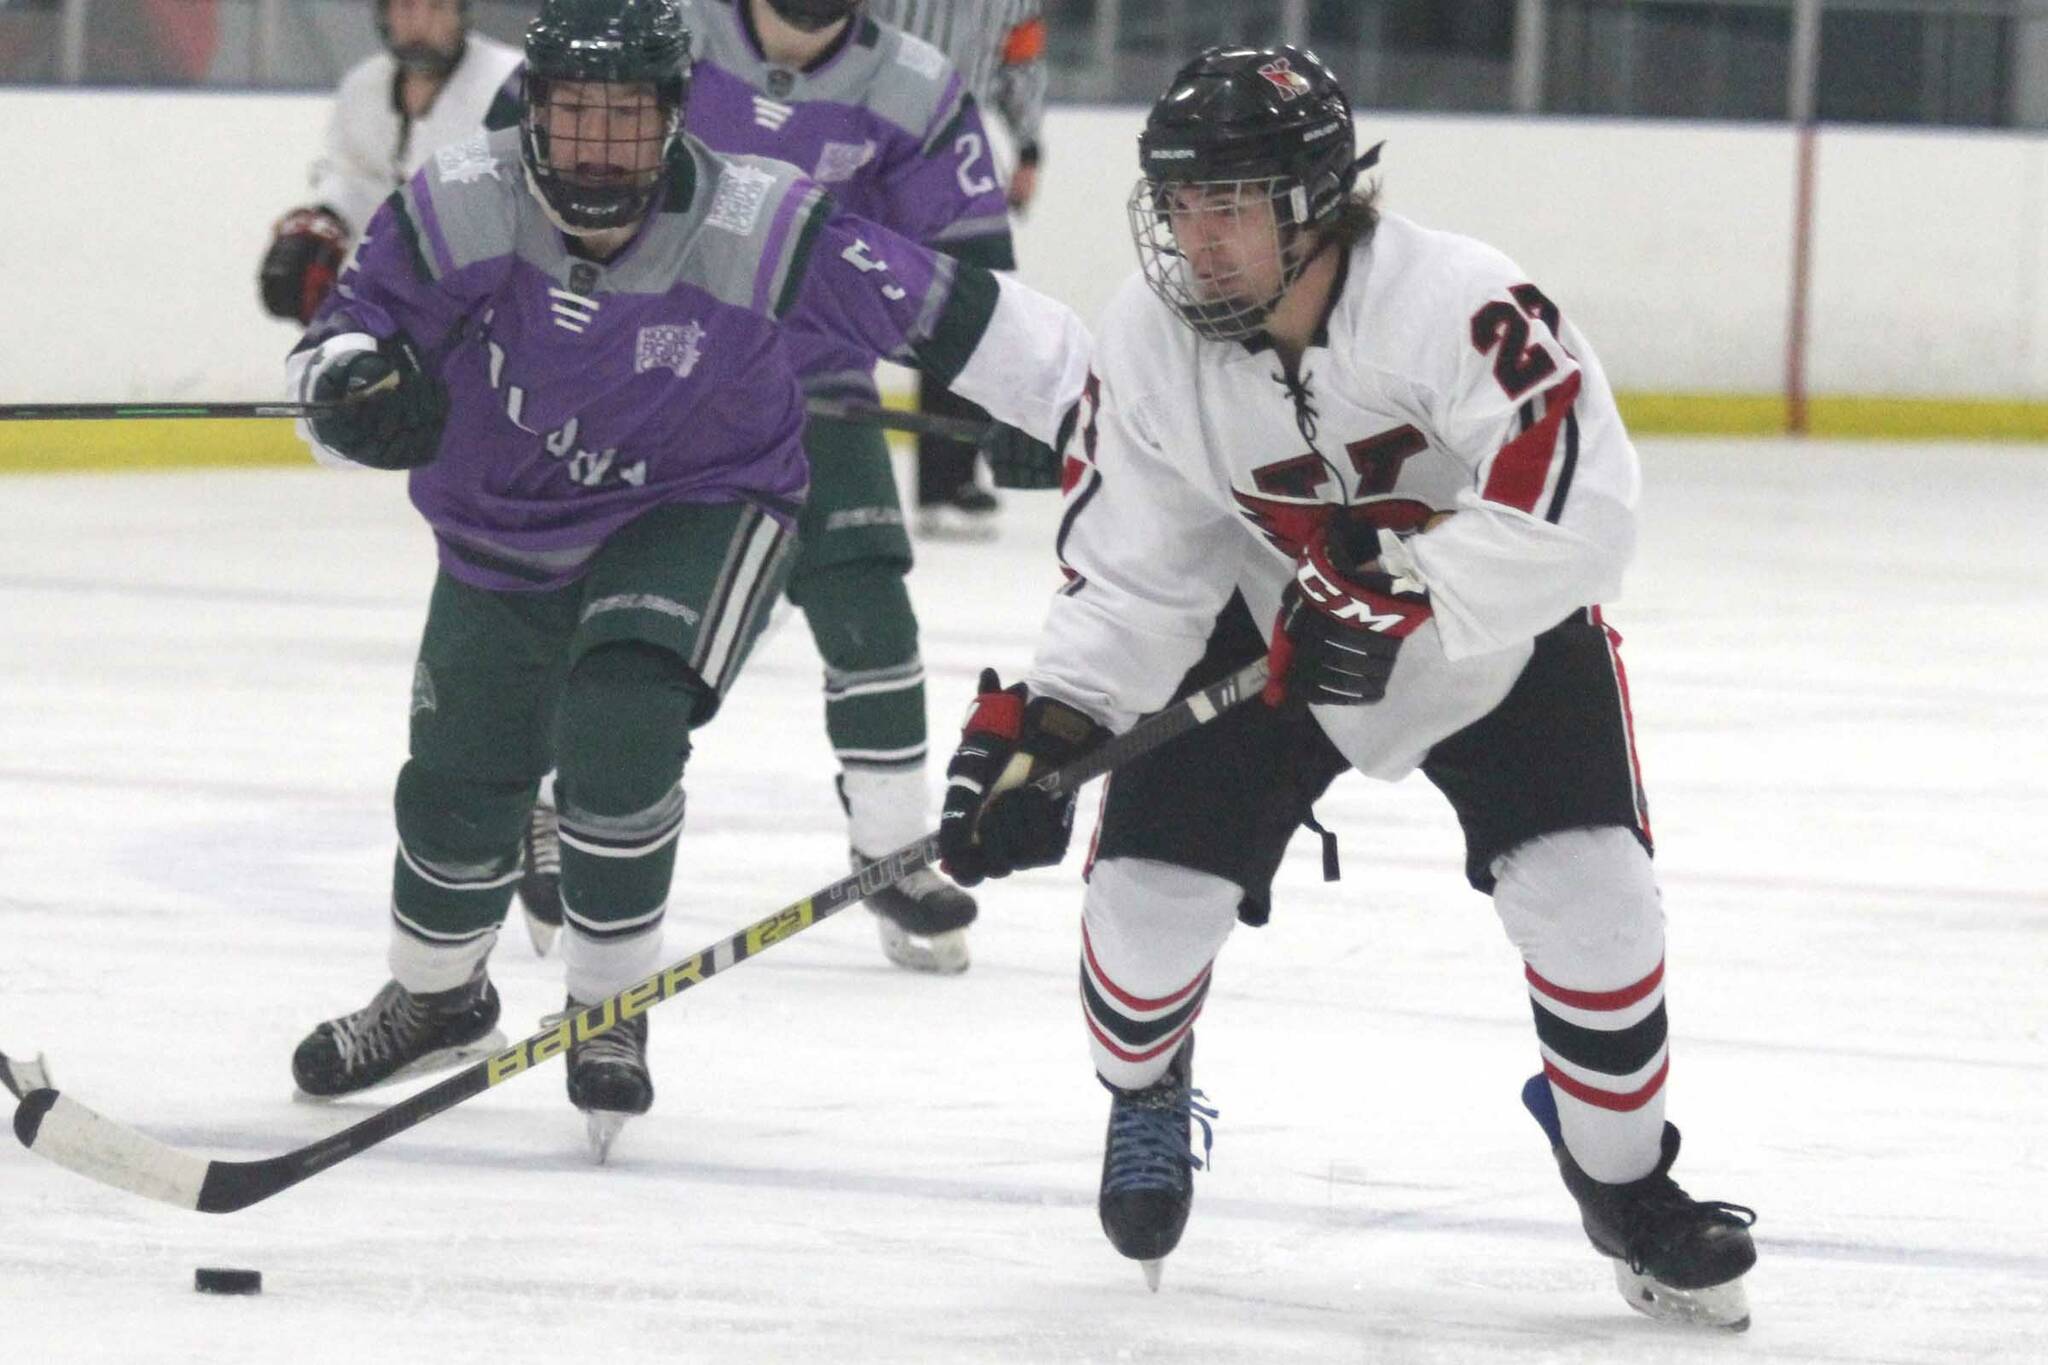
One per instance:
(999, 48)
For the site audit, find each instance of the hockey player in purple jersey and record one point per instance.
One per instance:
(884, 122)
(577, 335)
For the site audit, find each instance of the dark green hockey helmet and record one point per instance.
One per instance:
(605, 86)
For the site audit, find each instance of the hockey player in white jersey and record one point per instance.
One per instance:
(432, 85)
(1381, 456)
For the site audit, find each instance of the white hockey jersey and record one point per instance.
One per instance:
(373, 148)
(1444, 381)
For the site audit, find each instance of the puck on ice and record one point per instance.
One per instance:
(218, 1280)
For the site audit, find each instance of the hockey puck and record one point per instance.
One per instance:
(218, 1280)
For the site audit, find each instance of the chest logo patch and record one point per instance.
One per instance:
(669, 347)
(839, 162)
(771, 114)
(465, 162)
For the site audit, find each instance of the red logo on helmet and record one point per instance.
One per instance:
(1291, 83)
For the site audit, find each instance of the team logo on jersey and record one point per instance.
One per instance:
(742, 190)
(841, 161)
(670, 348)
(466, 161)
(1291, 83)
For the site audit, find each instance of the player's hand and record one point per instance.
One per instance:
(993, 823)
(388, 411)
(1023, 186)
(1341, 621)
(307, 247)
(1017, 459)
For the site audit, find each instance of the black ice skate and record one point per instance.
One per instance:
(399, 1035)
(1148, 1166)
(540, 877)
(1676, 1258)
(922, 920)
(608, 1078)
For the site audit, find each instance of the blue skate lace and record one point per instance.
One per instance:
(1148, 1140)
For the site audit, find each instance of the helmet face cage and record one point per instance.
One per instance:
(605, 86)
(422, 57)
(595, 166)
(1221, 253)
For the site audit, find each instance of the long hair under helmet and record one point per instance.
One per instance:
(609, 42)
(1238, 128)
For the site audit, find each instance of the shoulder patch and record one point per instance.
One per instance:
(742, 191)
(467, 161)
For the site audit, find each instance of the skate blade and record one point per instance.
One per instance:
(1152, 1270)
(602, 1127)
(1724, 1307)
(542, 934)
(446, 1059)
(941, 954)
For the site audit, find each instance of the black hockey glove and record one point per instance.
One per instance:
(390, 409)
(307, 247)
(992, 823)
(1341, 621)
(1017, 459)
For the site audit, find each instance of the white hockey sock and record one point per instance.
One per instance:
(594, 968)
(1150, 932)
(1582, 906)
(424, 966)
(885, 808)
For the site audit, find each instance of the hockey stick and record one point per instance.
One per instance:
(18, 1078)
(961, 429)
(68, 1133)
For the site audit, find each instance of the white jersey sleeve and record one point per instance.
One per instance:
(1150, 552)
(1546, 524)
(358, 166)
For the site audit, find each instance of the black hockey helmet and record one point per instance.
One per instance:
(1241, 127)
(813, 15)
(433, 61)
(610, 42)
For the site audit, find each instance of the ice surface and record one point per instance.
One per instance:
(1840, 671)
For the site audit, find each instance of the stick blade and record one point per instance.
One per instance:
(96, 1147)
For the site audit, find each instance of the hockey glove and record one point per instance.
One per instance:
(992, 823)
(306, 251)
(1341, 621)
(389, 411)
(1017, 459)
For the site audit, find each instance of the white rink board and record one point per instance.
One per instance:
(128, 258)
(202, 702)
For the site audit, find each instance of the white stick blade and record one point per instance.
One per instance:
(100, 1149)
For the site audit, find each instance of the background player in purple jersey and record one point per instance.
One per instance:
(578, 336)
(885, 122)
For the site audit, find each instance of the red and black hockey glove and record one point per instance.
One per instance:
(1341, 621)
(993, 823)
(307, 248)
(389, 408)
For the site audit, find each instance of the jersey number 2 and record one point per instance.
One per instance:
(972, 151)
(1521, 364)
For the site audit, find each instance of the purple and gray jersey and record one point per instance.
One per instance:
(881, 119)
(582, 394)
